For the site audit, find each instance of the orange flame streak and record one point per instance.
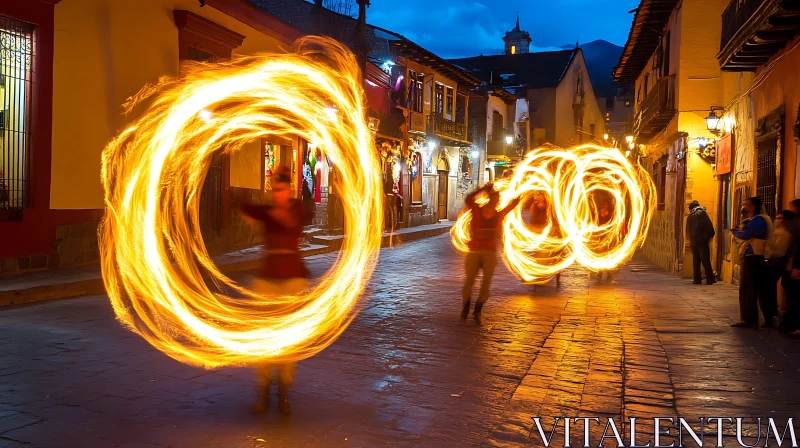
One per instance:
(571, 179)
(153, 256)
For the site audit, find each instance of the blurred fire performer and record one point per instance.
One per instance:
(284, 272)
(604, 215)
(486, 227)
(540, 213)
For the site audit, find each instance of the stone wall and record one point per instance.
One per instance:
(321, 212)
(73, 245)
(77, 245)
(660, 247)
(420, 215)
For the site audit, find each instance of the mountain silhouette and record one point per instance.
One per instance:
(601, 56)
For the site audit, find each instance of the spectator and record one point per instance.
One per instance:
(699, 231)
(753, 240)
(791, 274)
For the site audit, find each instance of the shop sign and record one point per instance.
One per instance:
(724, 145)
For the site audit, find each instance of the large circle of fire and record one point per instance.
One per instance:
(155, 264)
(574, 182)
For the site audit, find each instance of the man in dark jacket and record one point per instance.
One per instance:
(700, 230)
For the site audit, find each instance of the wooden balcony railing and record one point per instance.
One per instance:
(735, 16)
(755, 30)
(656, 110)
(449, 129)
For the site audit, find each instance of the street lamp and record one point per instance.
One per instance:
(712, 121)
(509, 139)
(629, 139)
(431, 145)
(605, 137)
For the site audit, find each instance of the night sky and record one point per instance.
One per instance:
(460, 28)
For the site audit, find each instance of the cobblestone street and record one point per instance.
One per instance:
(408, 372)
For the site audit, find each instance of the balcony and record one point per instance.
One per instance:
(417, 122)
(656, 110)
(449, 130)
(754, 30)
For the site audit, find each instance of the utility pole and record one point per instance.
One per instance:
(362, 49)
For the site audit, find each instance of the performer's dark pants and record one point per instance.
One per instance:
(752, 268)
(475, 261)
(701, 254)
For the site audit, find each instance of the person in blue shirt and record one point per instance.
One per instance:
(753, 239)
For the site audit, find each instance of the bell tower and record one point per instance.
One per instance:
(517, 41)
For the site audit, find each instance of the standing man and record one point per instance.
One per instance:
(752, 244)
(700, 230)
(486, 227)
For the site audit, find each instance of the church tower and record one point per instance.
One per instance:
(517, 41)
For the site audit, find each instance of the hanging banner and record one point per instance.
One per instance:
(724, 144)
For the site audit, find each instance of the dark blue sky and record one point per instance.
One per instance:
(460, 28)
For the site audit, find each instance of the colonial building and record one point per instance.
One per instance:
(66, 69)
(562, 106)
(758, 142)
(499, 121)
(430, 163)
(669, 56)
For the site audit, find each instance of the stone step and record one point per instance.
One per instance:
(309, 234)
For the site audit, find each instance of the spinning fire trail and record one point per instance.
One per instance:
(573, 181)
(153, 256)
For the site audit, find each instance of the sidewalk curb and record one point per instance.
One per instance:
(95, 286)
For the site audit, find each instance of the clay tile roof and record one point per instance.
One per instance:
(648, 25)
(532, 70)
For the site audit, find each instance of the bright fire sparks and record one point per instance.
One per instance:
(574, 181)
(153, 257)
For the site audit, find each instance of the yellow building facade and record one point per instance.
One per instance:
(90, 57)
(677, 81)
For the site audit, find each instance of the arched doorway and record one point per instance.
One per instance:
(443, 168)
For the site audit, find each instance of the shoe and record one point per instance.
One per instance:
(477, 313)
(465, 311)
(710, 282)
(283, 403)
(741, 324)
(697, 282)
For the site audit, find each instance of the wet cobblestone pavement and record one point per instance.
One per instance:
(407, 372)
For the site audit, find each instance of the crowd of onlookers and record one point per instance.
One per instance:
(768, 254)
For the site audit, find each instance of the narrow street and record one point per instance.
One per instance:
(407, 372)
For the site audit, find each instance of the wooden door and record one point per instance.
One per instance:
(443, 183)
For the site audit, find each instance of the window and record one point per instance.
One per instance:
(16, 59)
(449, 103)
(592, 130)
(439, 99)
(513, 49)
(646, 83)
(665, 59)
(497, 126)
(627, 103)
(415, 92)
(661, 184)
(767, 180)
